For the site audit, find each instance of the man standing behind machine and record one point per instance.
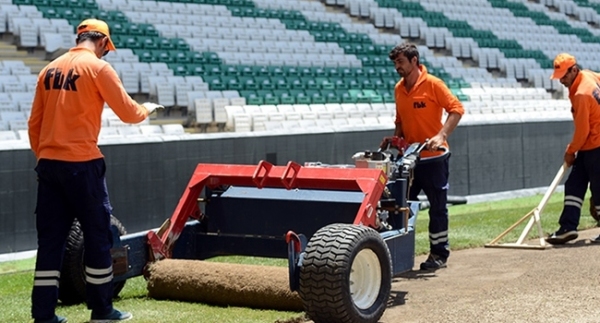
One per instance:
(421, 99)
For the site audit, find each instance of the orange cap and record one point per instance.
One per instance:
(97, 26)
(562, 63)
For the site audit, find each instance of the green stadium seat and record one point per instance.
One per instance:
(295, 83)
(131, 42)
(214, 83)
(65, 13)
(276, 71)
(388, 97)
(212, 58)
(260, 70)
(347, 72)
(291, 71)
(231, 70)
(246, 71)
(390, 83)
(213, 69)
(347, 98)
(332, 71)
(163, 57)
(325, 84)
(280, 82)
(180, 44)
(306, 71)
(352, 84)
(264, 82)
(338, 83)
(255, 100)
(145, 56)
(272, 100)
(146, 42)
(248, 83)
(117, 41)
(49, 12)
(197, 58)
(232, 83)
(182, 58)
(57, 3)
(285, 98)
(41, 3)
(165, 44)
(179, 69)
(195, 69)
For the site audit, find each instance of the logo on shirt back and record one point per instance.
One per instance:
(419, 105)
(55, 79)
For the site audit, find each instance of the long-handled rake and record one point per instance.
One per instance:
(534, 218)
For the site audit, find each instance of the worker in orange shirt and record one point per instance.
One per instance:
(421, 99)
(64, 126)
(583, 152)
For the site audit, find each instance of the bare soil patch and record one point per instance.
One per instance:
(558, 284)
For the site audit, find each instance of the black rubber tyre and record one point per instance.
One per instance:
(72, 276)
(346, 275)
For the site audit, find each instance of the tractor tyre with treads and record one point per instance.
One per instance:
(72, 277)
(346, 275)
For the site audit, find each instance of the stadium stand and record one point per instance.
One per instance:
(307, 63)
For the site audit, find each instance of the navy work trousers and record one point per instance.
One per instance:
(69, 190)
(431, 177)
(585, 170)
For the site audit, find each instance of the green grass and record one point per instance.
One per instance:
(15, 292)
(17, 265)
(471, 226)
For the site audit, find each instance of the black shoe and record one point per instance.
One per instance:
(433, 262)
(55, 319)
(562, 236)
(114, 316)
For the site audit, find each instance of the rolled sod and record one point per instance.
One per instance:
(263, 287)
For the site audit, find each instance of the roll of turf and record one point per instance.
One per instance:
(225, 284)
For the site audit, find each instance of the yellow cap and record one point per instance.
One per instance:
(562, 63)
(97, 26)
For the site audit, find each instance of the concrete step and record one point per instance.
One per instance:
(9, 51)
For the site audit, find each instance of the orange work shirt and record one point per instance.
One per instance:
(584, 94)
(419, 112)
(67, 107)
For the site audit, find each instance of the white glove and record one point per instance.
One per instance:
(151, 107)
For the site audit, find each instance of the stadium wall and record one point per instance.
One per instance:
(147, 178)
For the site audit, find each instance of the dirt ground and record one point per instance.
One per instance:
(558, 284)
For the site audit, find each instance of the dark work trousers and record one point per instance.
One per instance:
(585, 170)
(432, 178)
(69, 190)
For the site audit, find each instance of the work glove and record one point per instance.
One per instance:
(151, 107)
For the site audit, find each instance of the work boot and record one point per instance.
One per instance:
(55, 319)
(113, 316)
(433, 262)
(562, 236)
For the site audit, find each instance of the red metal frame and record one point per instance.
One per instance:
(369, 181)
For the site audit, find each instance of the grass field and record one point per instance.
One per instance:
(470, 226)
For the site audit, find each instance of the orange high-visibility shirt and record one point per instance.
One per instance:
(67, 108)
(419, 111)
(584, 94)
